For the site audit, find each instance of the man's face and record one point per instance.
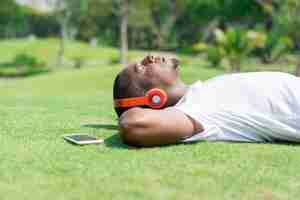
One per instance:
(156, 72)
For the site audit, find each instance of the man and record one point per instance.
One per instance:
(245, 107)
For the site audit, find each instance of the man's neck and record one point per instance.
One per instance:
(176, 93)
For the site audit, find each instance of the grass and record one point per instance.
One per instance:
(36, 163)
(46, 51)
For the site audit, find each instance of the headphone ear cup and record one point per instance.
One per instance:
(157, 98)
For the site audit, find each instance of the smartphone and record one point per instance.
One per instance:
(82, 139)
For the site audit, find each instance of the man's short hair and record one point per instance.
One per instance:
(126, 87)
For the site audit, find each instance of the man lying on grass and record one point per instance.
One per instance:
(245, 107)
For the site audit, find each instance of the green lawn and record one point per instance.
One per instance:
(46, 50)
(36, 163)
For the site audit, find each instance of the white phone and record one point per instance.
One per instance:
(82, 139)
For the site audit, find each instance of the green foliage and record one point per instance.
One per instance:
(24, 59)
(152, 23)
(79, 61)
(233, 45)
(6, 10)
(233, 42)
(287, 18)
(115, 59)
(275, 47)
(22, 65)
(214, 56)
(38, 23)
(199, 47)
(11, 19)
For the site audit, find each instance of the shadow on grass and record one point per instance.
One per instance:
(285, 143)
(101, 126)
(115, 141)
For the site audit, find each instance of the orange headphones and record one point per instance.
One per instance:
(155, 98)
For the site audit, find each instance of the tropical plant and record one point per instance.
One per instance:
(234, 45)
(275, 47)
(285, 17)
(214, 56)
(199, 47)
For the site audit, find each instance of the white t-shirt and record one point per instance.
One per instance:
(245, 107)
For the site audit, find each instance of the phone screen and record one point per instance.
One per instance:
(81, 138)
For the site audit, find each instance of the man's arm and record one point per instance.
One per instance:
(147, 127)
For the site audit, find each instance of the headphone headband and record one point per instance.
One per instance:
(155, 98)
(129, 102)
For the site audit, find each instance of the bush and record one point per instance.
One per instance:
(214, 56)
(275, 47)
(234, 46)
(79, 61)
(22, 65)
(25, 60)
(115, 59)
(199, 47)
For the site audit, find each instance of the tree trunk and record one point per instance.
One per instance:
(63, 36)
(63, 17)
(209, 29)
(162, 30)
(124, 10)
(61, 51)
(235, 64)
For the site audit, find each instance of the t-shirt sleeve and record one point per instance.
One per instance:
(190, 105)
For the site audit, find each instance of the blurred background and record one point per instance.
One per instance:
(40, 36)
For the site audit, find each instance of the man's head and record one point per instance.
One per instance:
(153, 72)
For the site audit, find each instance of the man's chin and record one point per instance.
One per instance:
(176, 68)
(176, 63)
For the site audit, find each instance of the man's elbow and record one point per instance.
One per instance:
(131, 131)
